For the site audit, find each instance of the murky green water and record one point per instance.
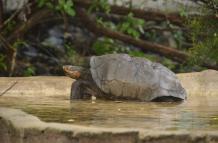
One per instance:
(197, 113)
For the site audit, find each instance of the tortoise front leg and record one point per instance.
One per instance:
(80, 89)
(76, 90)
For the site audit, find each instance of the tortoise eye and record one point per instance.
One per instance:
(76, 74)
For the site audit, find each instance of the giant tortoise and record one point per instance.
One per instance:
(120, 76)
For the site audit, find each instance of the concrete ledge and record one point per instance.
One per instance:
(18, 127)
(36, 86)
(200, 83)
(205, 83)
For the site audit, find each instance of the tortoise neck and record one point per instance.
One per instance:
(86, 74)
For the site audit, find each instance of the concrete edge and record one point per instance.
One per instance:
(197, 83)
(20, 127)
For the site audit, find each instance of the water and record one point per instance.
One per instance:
(198, 112)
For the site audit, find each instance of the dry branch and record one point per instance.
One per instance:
(31, 22)
(8, 89)
(20, 30)
(11, 52)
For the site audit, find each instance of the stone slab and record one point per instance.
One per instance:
(199, 83)
(35, 86)
(17, 126)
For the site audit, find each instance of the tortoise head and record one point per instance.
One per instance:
(74, 72)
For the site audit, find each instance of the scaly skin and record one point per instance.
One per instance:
(84, 87)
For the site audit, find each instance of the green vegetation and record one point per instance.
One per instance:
(66, 6)
(30, 71)
(205, 41)
(196, 38)
(2, 62)
(100, 5)
(72, 56)
(109, 46)
(204, 30)
(131, 26)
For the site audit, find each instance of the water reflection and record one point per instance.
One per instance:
(198, 112)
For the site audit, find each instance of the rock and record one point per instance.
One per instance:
(11, 5)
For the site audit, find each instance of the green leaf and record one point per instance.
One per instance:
(61, 2)
(41, 3)
(30, 71)
(71, 12)
(135, 34)
(136, 53)
(67, 7)
(69, 3)
(49, 5)
(2, 62)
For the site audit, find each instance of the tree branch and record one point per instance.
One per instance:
(139, 13)
(1, 14)
(22, 28)
(144, 45)
(171, 53)
(11, 52)
(9, 88)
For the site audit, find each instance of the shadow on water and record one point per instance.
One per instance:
(198, 112)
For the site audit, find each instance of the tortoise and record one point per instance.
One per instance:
(120, 76)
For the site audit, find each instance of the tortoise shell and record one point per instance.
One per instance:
(122, 76)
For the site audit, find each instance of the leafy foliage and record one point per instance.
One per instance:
(100, 5)
(9, 27)
(131, 26)
(136, 53)
(42, 3)
(66, 6)
(167, 62)
(2, 62)
(204, 34)
(107, 24)
(205, 41)
(69, 50)
(30, 71)
(108, 46)
(179, 37)
(72, 56)
(18, 43)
